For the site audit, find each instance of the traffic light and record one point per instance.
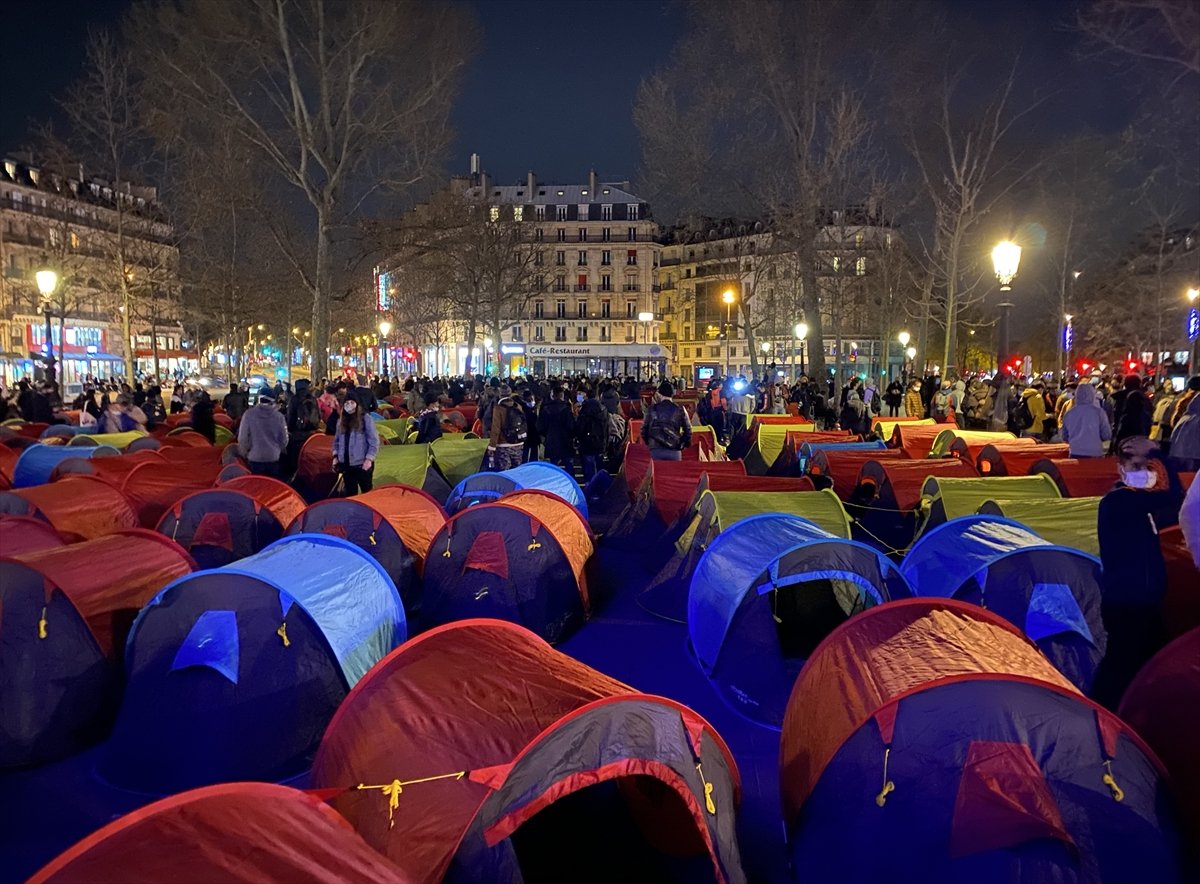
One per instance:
(1084, 366)
(1132, 365)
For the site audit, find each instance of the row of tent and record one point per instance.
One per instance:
(923, 736)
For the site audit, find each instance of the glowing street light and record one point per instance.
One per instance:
(801, 331)
(385, 328)
(728, 297)
(904, 337)
(47, 282)
(1006, 258)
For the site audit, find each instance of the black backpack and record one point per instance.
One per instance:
(514, 429)
(663, 429)
(1024, 419)
(593, 430)
(308, 415)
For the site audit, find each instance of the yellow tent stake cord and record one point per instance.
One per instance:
(42, 624)
(395, 788)
(888, 785)
(1109, 780)
(709, 804)
(282, 633)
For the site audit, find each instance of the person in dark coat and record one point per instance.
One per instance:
(1133, 414)
(556, 426)
(1133, 578)
(202, 417)
(591, 434)
(533, 439)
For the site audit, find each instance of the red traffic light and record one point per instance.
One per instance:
(1133, 365)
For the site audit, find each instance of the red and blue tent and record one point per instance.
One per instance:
(536, 475)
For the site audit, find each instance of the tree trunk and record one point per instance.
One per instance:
(469, 362)
(321, 301)
(811, 299)
(127, 328)
(744, 307)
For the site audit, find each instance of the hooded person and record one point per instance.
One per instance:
(1085, 426)
(940, 408)
(263, 436)
(1033, 401)
(957, 403)
(1185, 439)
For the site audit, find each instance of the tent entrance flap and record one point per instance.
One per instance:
(807, 607)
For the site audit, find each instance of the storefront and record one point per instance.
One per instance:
(643, 361)
(85, 353)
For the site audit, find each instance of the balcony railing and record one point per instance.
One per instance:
(631, 287)
(583, 288)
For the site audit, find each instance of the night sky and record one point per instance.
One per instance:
(553, 84)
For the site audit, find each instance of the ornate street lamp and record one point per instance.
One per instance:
(728, 297)
(47, 282)
(1006, 259)
(385, 329)
(801, 331)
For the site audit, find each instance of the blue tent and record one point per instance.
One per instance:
(808, 449)
(765, 593)
(1050, 592)
(36, 464)
(219, 526)
(233, 673)
(536, 475)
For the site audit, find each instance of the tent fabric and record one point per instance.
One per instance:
(36, 463)
(841, 468)
(283, 502)
(898, 482)
(944, 441)
(315, 477)
(968, 449)
(541, 583)
(241, 833)
(297, 625)
(820, 507)
(1067, 521)
(809, 449)
(65, 613)
(1162, 704)
(220, 526)
(732, 607)
(530, 728)
(673, 493)
(884, 427)
(111, 469)
(152, 488)
(915, 438)
(78, 507)
(636, 464)
(8, 460)
(23, 534)
(119, 441)
(945, 497)
(458, 458)
(1016, 461)
(410, 465)
(1080, 477)
(487, 487)
(1050, 592)
(658, 496)
(945, 704)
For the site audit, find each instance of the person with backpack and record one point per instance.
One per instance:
(667, 431)
(941, 402)
(263, 436)
(556, 426)
(854, 415)
(429, 424)
(591, 434)
(303, 419)
(507, 438)
(355, 445)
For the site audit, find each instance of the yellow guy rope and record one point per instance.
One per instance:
(393, 790)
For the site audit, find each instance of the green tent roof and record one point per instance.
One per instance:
(820, 507)
(1067, 521)
(458, 458)
(943, 498)
(407, 464)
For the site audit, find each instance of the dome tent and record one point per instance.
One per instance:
(411, 465)
(1011, 459)
(521, 559)
(947, 743)
(766, 591)
(153, 487)
(1051, 593)
(667, 489)
(579, 775)
(233, 673)
(838, 470)
(946, 497)
(535, 475)
(65, 611)
(1080, 477)
(78, 507)
(37, 462)
(240, 833)
(1064, 521)
(23, 534)
(279, 498)
(394, 524)
(221, 525)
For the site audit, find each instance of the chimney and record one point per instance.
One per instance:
(592, 184)
(475, 164)
(530, 182)
(484, 183)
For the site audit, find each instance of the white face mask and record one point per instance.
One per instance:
(1138, 478)
(350, 407)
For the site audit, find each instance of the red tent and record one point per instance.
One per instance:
(20, 535)
(916, 441)
(314, 474)
(465, 768)
(185, 439)
(968, 447)
(153, 487)
(1080, 477)
(67, 612)
(242, 833)
(638, 460)
(111, 469)
(1015, 459)
(79, 507)
(842, 467)
(674, 491)
(1163, 705)
(279, 498)
(8, 459)
(1181, 606)
(898, 482)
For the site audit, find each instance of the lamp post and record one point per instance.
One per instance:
(801, 331)
(904, 337)
(728, 297)
(1193, 327)
(47, 282)
(487, 346)
(385, 329)
(1068, 344)
(645, 318)
(1006, 259)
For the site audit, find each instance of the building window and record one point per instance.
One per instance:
(55, 237)
(630, 309)
(633, 211)
(561, 234)
(606, 234)
(583, 234)
(605, 308)
(539, 213)
(606, 257)
(560, 332)
(516, 333)
(539, 234)
(631, 257)
(494, 213)
(560, 283)
(539, 309)
(582, 258)
(631, 234)
(836, 263)
(560, 309)
(581, 283)
(581, 333)
(583, 211)
(858, 238)
(560, 213)
(860, 267)
(560, 258)
(606, 213)
(538, 258)
(539, 333)
(581, 310)
(631, 284)
(74, 240)
(606, 283)
(539, 283)
(518, 213)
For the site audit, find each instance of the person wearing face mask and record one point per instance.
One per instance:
(355, 445)
(1133, 574)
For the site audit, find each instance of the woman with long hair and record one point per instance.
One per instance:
(355, 444)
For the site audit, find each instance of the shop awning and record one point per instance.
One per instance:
(145, 353)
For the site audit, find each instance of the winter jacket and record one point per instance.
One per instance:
(1036, 404)
(914, 406)
(1164, 404)
(674, 416)
(958, 397)
(1085, 425)
(556, 425)
(591, 427)
(429, 426)
(1185, 438)
(263, 435)
(1132, 568)
(854, 414)
(1134, 417)
(356, 446)
(1189, 521)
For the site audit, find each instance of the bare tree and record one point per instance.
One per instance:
(338, 99)
(1165, 31)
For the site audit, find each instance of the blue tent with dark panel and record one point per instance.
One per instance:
(1050, 592)
(233, 675)
(533, 476)
(36, 464)
(220, 526)
(766, 591)
(808, 449)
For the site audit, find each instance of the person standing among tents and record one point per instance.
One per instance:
(591, 433)
(667, 431)
(203, 421)
(263, 436)
(1134, 575)
(914, 405)
(1085, 426)
(429, 424)
(893, 396)
(355, 446)
(533, 440)
(507, 438)
(556, 426)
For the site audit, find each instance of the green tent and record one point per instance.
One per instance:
(119, 441)
(944, 498)
(820, 507)
(458, 458)
(768, 444)
(1067, 521)
(410, 465)
(397, 427)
